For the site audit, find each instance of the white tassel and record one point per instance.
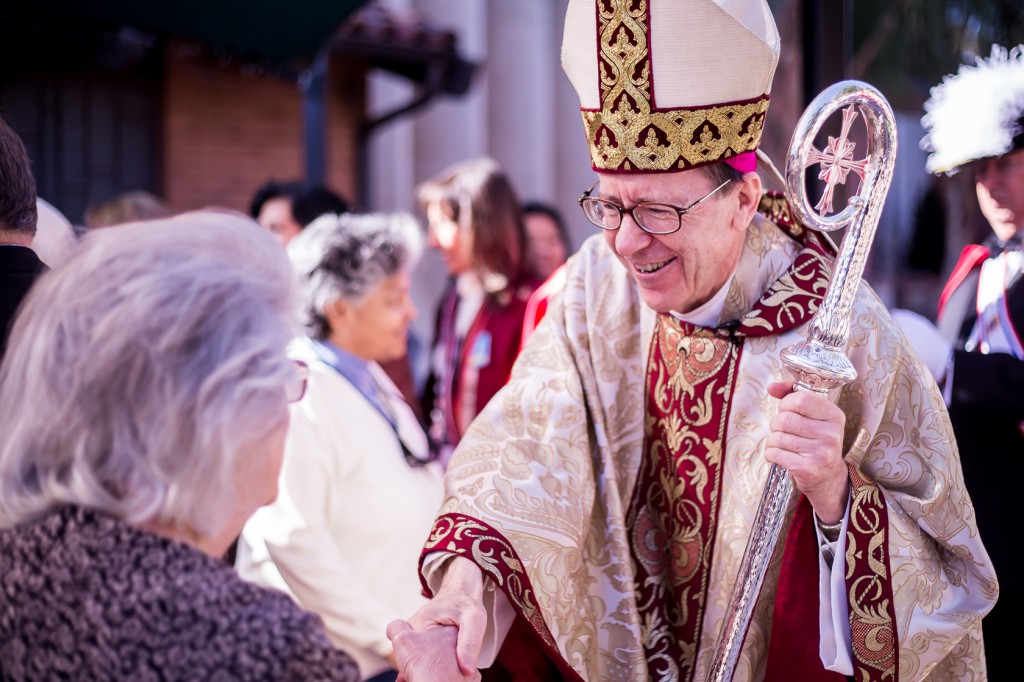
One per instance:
(975, 113)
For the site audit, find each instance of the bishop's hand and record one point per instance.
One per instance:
(442, 640)
(806, 439)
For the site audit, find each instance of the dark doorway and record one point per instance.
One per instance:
(87, 103)
(89, 138)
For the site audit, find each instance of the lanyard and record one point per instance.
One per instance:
(379, 401)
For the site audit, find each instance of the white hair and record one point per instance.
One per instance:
(140, 372)
(975, 113)
(346, 257)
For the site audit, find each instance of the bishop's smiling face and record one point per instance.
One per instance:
(683, 270)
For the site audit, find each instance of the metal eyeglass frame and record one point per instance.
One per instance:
(620, 210)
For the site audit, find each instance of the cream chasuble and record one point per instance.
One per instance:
(542, 492)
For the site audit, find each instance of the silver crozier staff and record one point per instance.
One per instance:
(818, 364)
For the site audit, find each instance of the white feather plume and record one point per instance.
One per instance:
(976, 112)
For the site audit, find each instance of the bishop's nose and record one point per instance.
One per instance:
(629, 238)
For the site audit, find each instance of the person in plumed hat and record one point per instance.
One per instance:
(598, 508)
(975, 122)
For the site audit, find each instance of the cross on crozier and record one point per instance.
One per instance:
(836, 161)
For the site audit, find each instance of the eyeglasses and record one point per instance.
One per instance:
(650, 217)
(296, 386)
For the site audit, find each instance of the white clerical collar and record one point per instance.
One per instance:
(710, 313)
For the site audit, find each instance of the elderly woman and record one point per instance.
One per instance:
(145, 394)
(357, 490)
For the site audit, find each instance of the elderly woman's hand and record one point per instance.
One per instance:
(427, 655)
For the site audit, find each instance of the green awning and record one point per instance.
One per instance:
(275, 29)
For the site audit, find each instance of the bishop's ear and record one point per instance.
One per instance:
(748, 198)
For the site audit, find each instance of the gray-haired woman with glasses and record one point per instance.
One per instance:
(358, 492)
(145, 404)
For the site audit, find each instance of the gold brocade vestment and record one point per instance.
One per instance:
(539, 492)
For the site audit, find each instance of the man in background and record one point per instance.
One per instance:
(19, 265)
(975, 121)
(285, 208)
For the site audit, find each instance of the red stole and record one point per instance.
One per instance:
(793, 651)
(872, 614)
(673, 515)
(672, 518)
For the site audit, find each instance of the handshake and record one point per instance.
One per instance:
(442, 641)
(427, 654)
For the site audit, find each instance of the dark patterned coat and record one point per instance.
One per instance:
(85, 597)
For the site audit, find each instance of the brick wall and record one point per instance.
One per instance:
(227, 131)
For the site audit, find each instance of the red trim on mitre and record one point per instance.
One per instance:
(597, 47)
(628, 171)
(744, 162)
(469, 537)
(766, 97)
(793, 649)
(650, 60)
(971, 257)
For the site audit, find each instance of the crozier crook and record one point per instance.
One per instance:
(820, 363)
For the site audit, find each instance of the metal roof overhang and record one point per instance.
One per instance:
(274, 29)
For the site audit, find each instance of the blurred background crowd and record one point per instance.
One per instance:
(202, 104)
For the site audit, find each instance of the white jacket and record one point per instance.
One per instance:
(345, 534)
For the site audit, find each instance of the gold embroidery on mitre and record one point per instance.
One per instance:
(688, 137)
(627, 134)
